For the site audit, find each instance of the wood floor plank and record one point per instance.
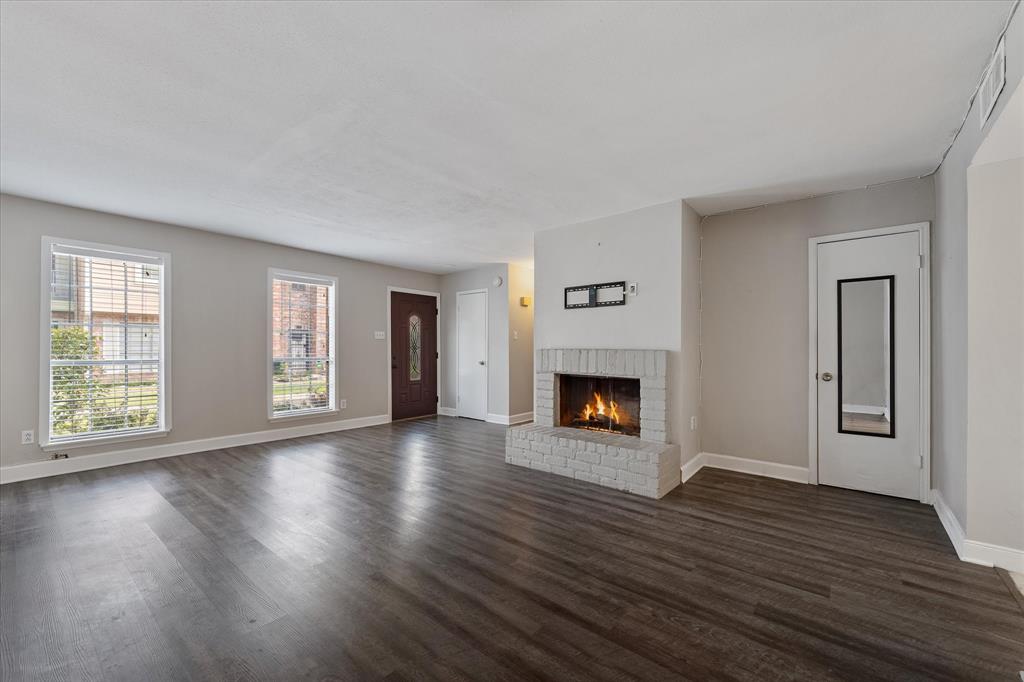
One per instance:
(412, 551)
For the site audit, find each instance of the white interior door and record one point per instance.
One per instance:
(472, 351)
(869, 364)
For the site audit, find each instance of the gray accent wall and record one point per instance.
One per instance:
(995, 354)
(949, 291)
(218, 323)
(520, 340)
(754, 316)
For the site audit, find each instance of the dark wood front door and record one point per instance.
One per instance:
(413, 355)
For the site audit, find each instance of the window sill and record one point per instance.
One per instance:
(101, 440)
(300, 414)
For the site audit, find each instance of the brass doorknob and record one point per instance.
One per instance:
(826, 376)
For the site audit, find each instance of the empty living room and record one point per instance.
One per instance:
(511, 340)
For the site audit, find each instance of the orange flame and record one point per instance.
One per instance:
(600, 409)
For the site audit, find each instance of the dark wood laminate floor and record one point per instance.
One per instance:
(412, 551)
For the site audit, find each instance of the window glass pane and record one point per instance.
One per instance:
(866, 336)
(302, 348)
(414, 347)
(105, 346)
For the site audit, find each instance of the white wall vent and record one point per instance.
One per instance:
(993, 82)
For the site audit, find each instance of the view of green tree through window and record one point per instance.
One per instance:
(105, 342)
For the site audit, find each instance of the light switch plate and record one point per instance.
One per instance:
(342, 404)
(379, 336)
(631, 289)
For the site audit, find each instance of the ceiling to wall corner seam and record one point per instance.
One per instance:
(970, 104)
(977, 88)
(700, 332)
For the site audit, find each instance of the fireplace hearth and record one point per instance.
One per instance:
(600, 416)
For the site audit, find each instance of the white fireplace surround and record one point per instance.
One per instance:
(647, 465)
(649, 366)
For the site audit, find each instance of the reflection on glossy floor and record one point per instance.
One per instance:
(413, 551)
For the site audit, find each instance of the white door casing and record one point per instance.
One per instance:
(893, 459)
(471, 316)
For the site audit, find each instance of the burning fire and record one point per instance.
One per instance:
(611, 410)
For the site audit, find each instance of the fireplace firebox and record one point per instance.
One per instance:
(598, 403)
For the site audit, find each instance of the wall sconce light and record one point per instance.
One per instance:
(525, 301)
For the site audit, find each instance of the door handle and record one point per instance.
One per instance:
(826, 376)
(481, 362)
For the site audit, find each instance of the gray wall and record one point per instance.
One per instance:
(995, 354)
(949, 293)
(645, 246)
(218, 322)
(754, 320)
(688, 383)
(497, 334)
(520, 341)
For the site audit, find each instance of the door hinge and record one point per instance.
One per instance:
(437, 398)
(437, 356)
(920, 261)
(920, 461)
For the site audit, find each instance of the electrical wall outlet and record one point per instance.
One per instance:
(342, 404)
(515, 334)
(28, 437)
(379, 336)
(693, 423)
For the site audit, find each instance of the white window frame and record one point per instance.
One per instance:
(332, 340)
(45, 374)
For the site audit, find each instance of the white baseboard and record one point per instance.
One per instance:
(785, 472)
(978, 552)
(509, 419)
(949, 522)
(56, 467)
(974, 551)
(695, 464)
(447, 412)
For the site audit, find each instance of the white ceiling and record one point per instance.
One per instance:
(442, 135)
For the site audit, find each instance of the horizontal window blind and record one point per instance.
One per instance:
(302, 344)
(106, 343)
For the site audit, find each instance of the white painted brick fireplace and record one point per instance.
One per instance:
(647, 465)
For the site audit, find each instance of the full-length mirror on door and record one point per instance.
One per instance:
(866, 371)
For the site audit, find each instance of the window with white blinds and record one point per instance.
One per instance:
(302, 372)
(105, 342)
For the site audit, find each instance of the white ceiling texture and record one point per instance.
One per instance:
(442, 135)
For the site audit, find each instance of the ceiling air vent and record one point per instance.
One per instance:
(993, 82)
